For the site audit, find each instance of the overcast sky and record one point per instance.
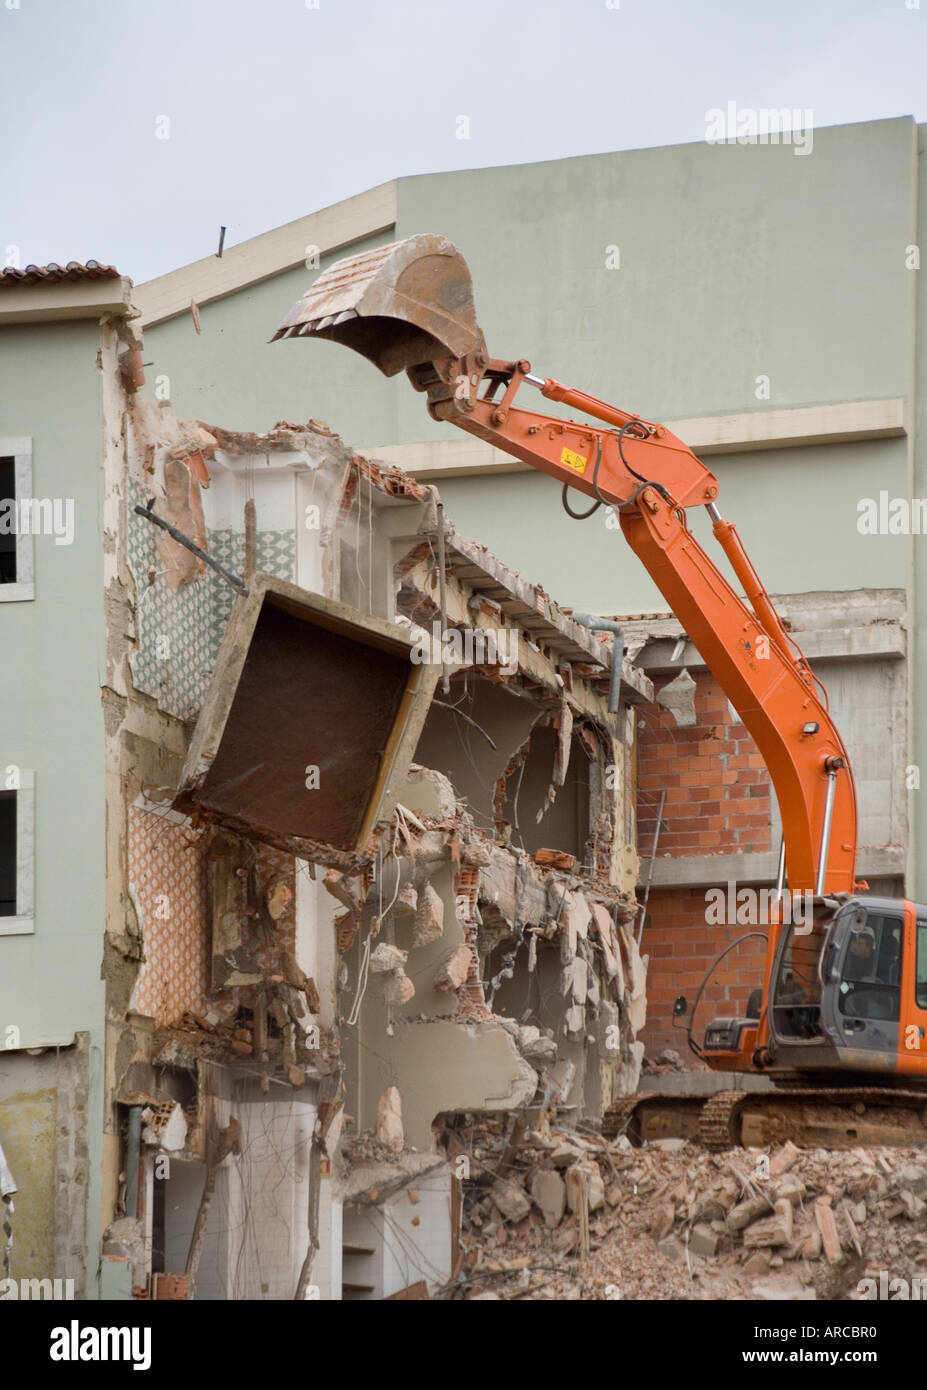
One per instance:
(278, 107)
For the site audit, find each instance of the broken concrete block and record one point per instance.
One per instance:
(397, 987)
(406, 902)
(791, 1189)
(574, 981)
(823, 1214)
(661, 1221)
(703, 1241)
(385, 957)
(783, 1159)
(745, 1212)
(671, 1248)
(851, 1228)
(549, 1192)
(628, 1073)
(574, 1021)
(678, 696)
(535, 1046)
(758, 1263)
(389, 1120)
(595, 1187)
(429, 917)
(165, 1128)
(453, 972)
(560, 1079)
(125, 1240)
(565, 1152)
(912, 1178)
(606, 930)
(510, 1201)
(670, 1146)
(575, 917)
(428, 792)
(811, 1249)
(772, 1230)
(913, 1206)
(710, 1209)
(566, 1237)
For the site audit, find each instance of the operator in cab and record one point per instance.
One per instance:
(861, 959)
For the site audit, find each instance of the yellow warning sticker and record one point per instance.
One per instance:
(574, 461)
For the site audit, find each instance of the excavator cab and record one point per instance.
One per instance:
(847, 993)
(836, 994)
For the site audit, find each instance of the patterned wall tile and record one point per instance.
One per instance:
(180, 630)
(167, 877)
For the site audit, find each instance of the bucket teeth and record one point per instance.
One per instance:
(399, 305)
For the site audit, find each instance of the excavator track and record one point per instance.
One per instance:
(830, 1117)
(716, 1120)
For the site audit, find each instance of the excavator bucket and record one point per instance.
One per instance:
(399, 305)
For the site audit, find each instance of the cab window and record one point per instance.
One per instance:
(920, 984)
(870, 985)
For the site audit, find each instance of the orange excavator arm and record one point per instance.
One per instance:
(409, 306)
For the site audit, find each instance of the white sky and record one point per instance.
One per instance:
(277, 109)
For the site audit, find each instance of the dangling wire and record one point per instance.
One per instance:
(364, 970)
(600, 500)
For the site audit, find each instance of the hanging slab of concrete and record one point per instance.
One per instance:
(310, 720)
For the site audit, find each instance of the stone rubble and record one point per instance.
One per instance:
(670, 1220)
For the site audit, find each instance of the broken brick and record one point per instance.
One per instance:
(830, 1238)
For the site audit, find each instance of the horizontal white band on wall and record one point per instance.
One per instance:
(790, 427)
(707, 870)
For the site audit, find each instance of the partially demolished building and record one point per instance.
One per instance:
(371, 865)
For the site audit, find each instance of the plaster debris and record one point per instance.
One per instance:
(385, 957)
(389, 1120)
(453, 972)
(678, 696)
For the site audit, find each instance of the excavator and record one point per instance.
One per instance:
(839, 1026)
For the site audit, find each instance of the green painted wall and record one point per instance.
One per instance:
(50, 679)
(230, 375)
(735, 261)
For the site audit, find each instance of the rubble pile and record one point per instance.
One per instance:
(570, 1215)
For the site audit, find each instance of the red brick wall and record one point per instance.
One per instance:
(681, 947)
(717, 802)
(717, 787)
